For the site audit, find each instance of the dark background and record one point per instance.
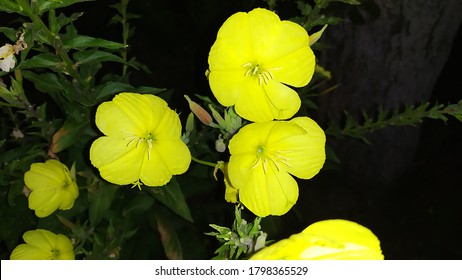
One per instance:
(406, 186)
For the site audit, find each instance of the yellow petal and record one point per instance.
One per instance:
(249, 138)
(43, 245)
(327, 240)
(43, 175)
(44, 202)
(112, 120)
(168, 127)
(253, 104)
(290, 38)
(68, 196)
(264, 191)
(65, 247)
(28, 252)
(166, 159)
(226, 85)
(105, 150)
(304, 149)
(130, 113)
(126, 169)
(341, 239)
(40, 238)
(232, 48)
(284, 99)
(264, 29)
(295, 69)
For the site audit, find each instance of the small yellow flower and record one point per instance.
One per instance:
(254, 58)
(326, 240)
(52, 187)
(7, 61)
(263, 157)
(43, 245)
(142, 141)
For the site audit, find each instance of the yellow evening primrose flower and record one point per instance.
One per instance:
(254, 58)
(52, 187)
(43, 245)
(326, 240)
(141, 143)
(7, 61)
(265, 155)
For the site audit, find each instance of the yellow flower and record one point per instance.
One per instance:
(254, 58)
(43, 245)
(263, 155)
(326, 240)
(7, 61)
(52, 187)
(142, 141)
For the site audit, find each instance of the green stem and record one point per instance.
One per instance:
(53, 39)
(203, 162)
(125, 30)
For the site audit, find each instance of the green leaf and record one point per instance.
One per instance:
(100, 197)
(351, 2)
(47, 60)
(171, 196)
(48, 82)
(96, 56)
(63, 20)
(82, 42)
(149, 90)
(9, 32)
(67, 135)
(110, 88)
(9, 6)
(46, 5)
(168, 237)
(139, 204)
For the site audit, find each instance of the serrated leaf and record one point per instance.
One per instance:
(171, 196)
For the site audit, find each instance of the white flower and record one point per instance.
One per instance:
(7, 61)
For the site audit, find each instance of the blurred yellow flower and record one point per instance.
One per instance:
(43, 245)
(263, 157)
(254, 58)
(52, 187)
(7, 61)
(326, 240)
(141, 143)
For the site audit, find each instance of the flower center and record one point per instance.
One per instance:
(265, 156)
(149, 139)
(54, 254)
(257, 71)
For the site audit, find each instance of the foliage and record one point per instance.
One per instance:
(48, 105)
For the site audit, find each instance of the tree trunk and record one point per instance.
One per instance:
(392, 60)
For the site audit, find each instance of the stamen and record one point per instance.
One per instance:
(255, 70)
(134, 138)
